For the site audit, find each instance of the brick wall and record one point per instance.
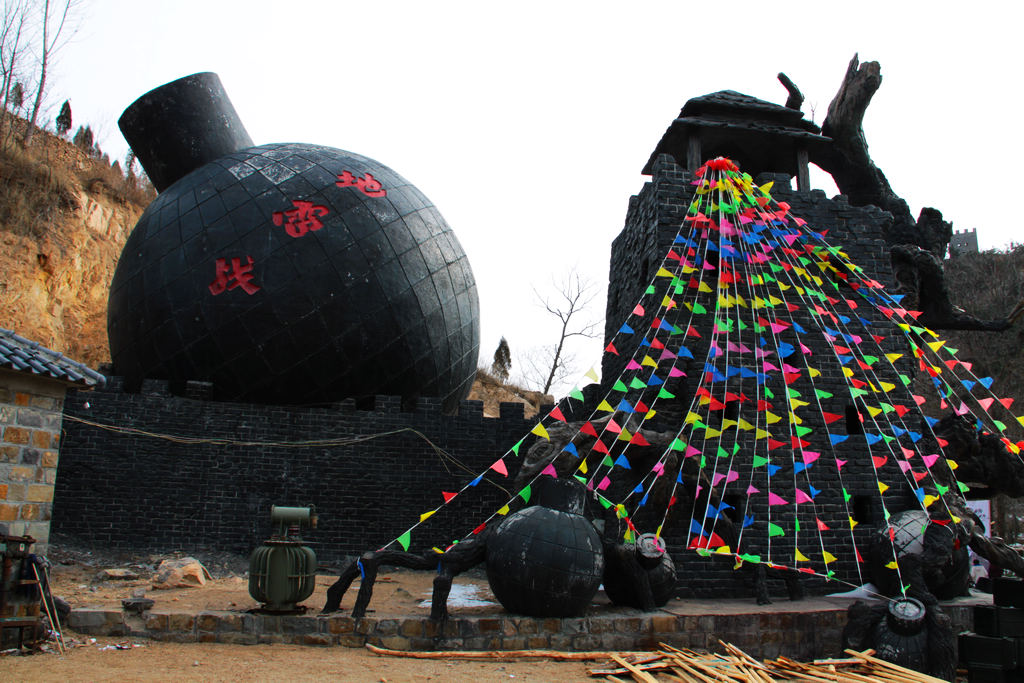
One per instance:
(30, 420)
(124, 490)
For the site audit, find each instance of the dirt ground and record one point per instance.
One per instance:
(214, 662)
(76, 577)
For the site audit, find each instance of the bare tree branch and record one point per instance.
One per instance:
(53, 39)
(15, 14)
(574, 295)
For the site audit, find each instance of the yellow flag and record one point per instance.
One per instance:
(829, 557)
(892, 565)
(853, 522)
(761, 434)
(882, 488)
(503, 510)
(540, 431)
(649, 361)
(724, 550)
(935, 346)
(426, 515)
(664, 273)
(605, 407)
(893, 357)
(703, 287)
(591, 375)
(583, 466)
(873, 411)
(771, 417)
(800, 557)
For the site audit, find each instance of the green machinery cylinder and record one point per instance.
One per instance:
(282, 571)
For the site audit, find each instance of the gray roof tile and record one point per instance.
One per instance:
(20, 354)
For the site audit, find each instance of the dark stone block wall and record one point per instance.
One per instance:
(122, 490)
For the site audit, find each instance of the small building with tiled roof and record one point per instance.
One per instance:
(33, 382)
(760, 136)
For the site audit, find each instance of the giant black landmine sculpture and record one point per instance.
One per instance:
(283, 273)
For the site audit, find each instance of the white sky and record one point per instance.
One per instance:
(527, 123)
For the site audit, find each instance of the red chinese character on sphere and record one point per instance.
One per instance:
(368, 185)
(302, 219)
(235, 275)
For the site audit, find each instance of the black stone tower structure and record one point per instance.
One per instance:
(283, 273)
(771, 143)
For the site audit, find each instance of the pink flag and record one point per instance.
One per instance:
(776, 500)
(731, 477)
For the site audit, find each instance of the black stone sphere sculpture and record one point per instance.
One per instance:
(283, 273)
(546, 560)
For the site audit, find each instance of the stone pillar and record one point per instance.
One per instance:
(803, 178)
(30, 422)
(693, 160)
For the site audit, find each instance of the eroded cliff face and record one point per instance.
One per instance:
(56, 265)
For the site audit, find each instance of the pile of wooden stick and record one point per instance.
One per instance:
(736, 666)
